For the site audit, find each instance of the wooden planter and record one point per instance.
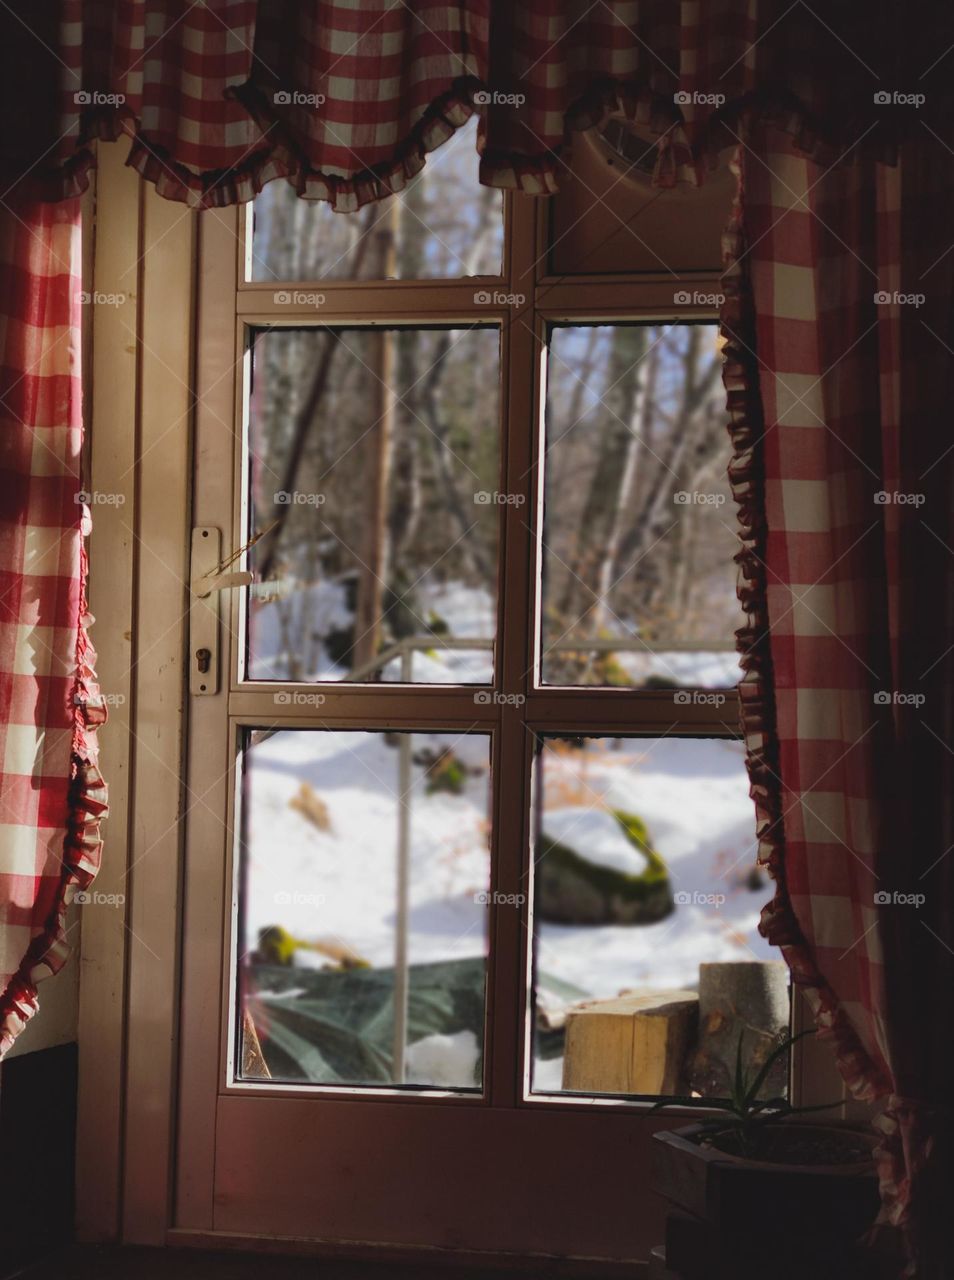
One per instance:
(746, 1198)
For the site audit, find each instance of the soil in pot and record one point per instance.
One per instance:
(803, 1145)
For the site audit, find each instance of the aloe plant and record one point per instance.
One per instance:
(744, 1112)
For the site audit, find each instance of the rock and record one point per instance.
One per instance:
(573, 889)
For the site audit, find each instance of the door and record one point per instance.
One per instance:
(486, 641)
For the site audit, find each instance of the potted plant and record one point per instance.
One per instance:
(751, 1171)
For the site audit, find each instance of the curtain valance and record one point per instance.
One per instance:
(345, 100)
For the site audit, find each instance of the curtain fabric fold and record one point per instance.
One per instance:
(51, 793)
(837, 325)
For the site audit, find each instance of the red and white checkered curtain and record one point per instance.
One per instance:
(839, 325)
(51, 794)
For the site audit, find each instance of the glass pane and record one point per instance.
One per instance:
(639, 527)
(373, 473)
(364, 878)
(648, 964)
(443, 225)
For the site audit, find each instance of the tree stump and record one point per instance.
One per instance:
(747, 998)
(635, 1043)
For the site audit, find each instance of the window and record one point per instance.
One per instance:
(490, 794)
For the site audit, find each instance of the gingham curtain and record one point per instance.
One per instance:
(51, 794)
(833, 397)
(839, 327)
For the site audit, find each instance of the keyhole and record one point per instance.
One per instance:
(203, 658)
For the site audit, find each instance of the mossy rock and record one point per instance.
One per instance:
(571, 889)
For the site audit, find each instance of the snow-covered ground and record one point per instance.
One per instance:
(469, 613)
(339, 884)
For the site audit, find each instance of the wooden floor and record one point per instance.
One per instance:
(103, 1262)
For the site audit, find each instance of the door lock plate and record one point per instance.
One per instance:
(204, 613)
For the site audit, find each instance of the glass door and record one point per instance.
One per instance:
(466, 793)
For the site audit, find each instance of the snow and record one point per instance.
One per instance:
(469, 613)
(597, 835)
(444, 1060)
(340, 884)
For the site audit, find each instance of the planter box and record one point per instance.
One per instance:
(806, 1203)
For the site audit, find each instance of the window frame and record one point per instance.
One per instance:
(587, 711)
